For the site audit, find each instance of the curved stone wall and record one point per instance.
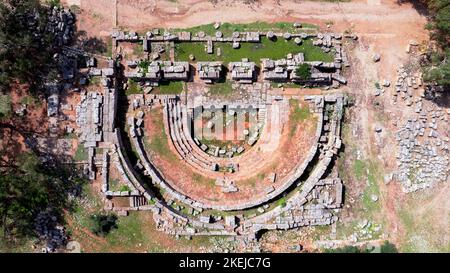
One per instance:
(289, 181)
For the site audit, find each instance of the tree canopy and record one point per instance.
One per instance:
(31, 180)
(25, 48)
(32, 185)
(438, 70)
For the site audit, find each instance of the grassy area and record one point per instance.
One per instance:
(423, 227)
(298, 114)
(362, 178)
(95, 80)
(227, 28)
(69, 135)
(222, 89)
(133, 88)
(254, 51)
(5, 105)
(219, 143)
(81, 153)
(115, 185)
(168, 88)
(134, 233)
(30, 100)
(158, 141)
(18, 245)
(359, 169)
(108, 52)
(203, 180)
(138, 49)
(368, 172)
(282, 202)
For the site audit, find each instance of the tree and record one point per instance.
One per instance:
(438, 68)
(102, 224)
(25, 47)
(388, 247)
(303, 71)
(33, 184)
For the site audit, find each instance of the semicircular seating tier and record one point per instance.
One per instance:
(176, 123)
(330, 137)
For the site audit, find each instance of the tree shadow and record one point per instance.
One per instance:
(89, 44)
(417, 5)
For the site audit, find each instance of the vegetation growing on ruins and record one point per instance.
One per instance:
(298, 114)
(31, 182)
(253, 51)
(157, 142)
(168, 88)
(133, 88)
(80, 153)
(303, 71)
(222, 89)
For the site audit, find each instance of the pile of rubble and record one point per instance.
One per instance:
(226, 185)
(423, 154)
(61, 23)
(48, 230)
(405, 85)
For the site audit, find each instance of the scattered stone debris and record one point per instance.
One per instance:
(376, 57)
(423, 158)
(50, 231)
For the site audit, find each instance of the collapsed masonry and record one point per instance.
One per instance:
(209, 71)
(284, 70)
(159, 70)
(423, 156)
(96, 113)
(243, 72)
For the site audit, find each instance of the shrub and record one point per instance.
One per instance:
(102, 224)
(303, 71)
(388, 247)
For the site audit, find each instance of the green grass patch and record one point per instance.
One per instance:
(5, 106)
(254, 51)
(203, 180)
(368, 172)
(298, 114)
(157, 142)
(218, 143)
(129, 232)
(81, 153)
(69, 136)
(168, 88)
(223, 89)
(95, 80)
(359, 169)
(108, 52)
(30, 100)
(138, 49)
(133, 88)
